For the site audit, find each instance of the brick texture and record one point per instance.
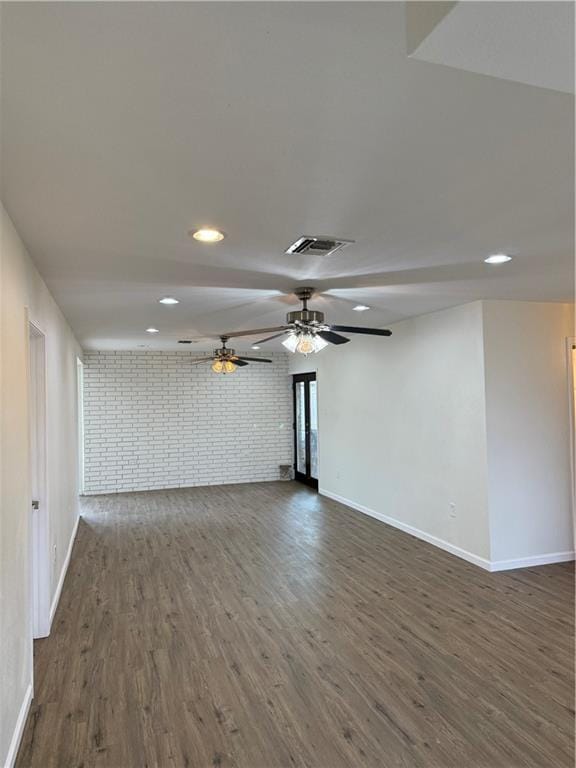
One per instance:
(153, 420)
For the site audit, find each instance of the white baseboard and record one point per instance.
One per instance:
(531, 562)
(440, 543)
(19, 728)
(27, 700)
(487, 565)
(63, 572)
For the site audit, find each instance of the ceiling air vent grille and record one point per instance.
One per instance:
(318, 246)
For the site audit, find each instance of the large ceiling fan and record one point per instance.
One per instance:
(306, 329)
(225, 360)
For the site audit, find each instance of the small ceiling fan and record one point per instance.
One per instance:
(306, 329)
(225, 360)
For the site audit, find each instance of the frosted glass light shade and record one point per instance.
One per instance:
(223, 366)
(319, 343)
(305, 344)
(291, 342)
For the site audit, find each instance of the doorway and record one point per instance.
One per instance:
(571, 354)
(39, 520)
(80, 418)
(306, 428)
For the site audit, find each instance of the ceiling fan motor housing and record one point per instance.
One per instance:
(305, 317)
(224, 352)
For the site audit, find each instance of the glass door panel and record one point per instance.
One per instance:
(300, 406)
(313, 429)
(306, 429)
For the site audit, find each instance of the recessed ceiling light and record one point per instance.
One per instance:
(208, 235)
(498, 258)
(255, 346)
(152, 330)
(168, 300)
(360, 308)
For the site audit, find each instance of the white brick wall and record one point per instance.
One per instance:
(153, 420)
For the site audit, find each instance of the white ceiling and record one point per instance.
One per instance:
(124, 125)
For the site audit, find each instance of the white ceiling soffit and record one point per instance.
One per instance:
(528, 42)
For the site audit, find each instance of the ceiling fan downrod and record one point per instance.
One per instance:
(305, 316)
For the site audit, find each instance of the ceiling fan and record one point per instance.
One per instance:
(306, 329)
(225, 360)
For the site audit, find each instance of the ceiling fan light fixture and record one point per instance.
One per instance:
(305, 343)
(223, 366)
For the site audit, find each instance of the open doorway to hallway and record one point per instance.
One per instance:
(39, 520)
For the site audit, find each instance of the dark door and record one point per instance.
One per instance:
(306, 429)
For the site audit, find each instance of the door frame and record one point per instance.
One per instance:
(39, 519)
(80, 422)
(570, 352)
(296, 379)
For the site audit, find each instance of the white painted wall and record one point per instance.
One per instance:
(467, 406)
(154, 420)
(528, 423)
(23, 294)
(402, 430)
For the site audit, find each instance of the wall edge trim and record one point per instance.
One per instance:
(63, 572)
(19, 727)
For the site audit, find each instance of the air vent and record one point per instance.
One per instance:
(318, 246)
(185, 341)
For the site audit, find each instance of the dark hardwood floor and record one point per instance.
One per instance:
(262, 626)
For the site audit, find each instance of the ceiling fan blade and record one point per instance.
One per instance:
(253, 360)
(201, 360)
(238, 361)
(255, 331)
(354, 329)
(269, 338)
(333, 338)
